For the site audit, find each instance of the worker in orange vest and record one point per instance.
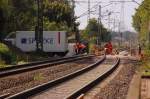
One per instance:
(82, 48)
(76, 47)
(108, 48)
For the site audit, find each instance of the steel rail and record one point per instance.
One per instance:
(41, 65)
(4, 96)
(37, 63)
(90, 85)
(35, 90)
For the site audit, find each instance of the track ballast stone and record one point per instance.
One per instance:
(118, 87)
(17, 83)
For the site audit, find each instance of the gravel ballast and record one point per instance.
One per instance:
(118, 87)
(17, 83)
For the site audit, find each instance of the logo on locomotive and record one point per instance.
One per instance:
(32, 40)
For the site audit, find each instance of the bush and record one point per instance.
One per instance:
(6, 54)
(3, 48)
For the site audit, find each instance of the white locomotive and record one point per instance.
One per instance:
(54, 42)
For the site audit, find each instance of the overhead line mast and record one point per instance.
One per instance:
(100, 26)
(39, 27)
(121, 23)
(89, 12)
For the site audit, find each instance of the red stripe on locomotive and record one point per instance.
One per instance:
(58, 37)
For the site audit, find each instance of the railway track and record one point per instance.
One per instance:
(72, 85)
(39, 65)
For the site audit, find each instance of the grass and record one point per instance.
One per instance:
(6, 55)
(2, 64)
(38, 77)
(145, 64)
(21, 62)
(3, 48)
(145, 73)
(145, 67)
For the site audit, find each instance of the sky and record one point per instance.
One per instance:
(115, 17)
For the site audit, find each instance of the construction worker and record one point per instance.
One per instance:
(79, 48)
(76, 47)
(140, 52)
(108, 48)
(82, 48)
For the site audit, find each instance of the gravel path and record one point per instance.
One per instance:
(16, 83)
(118, 87)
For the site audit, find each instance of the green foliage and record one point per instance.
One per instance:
(54, 26)
(59, 16)
(38, 77)
(145, 68)
(91, 31)
(58, 12)
(4, 14)
(141, 20)
(6, 55)
(17, 15)
(147, 52)
(3, 48)
(22, 15)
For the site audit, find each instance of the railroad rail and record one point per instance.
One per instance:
(96, 71)
(4, 96)
(39, 65)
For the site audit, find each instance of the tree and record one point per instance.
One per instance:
(61, 13)
(4, 14)
(141, 20)
(22, 15)
(91, 31)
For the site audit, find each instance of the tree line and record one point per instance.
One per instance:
(92, 32)
(22, 15)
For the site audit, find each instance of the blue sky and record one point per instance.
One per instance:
(129, 10)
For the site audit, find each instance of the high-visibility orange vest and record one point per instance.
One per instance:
(82, 46)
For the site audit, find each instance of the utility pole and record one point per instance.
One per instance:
(89, 12)
(99, 26)
(109, 14)
(122, 16)
(121, 24)
(114, 24)
(73, 25)
(39, 27)
(119, 34)
(113, 29)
